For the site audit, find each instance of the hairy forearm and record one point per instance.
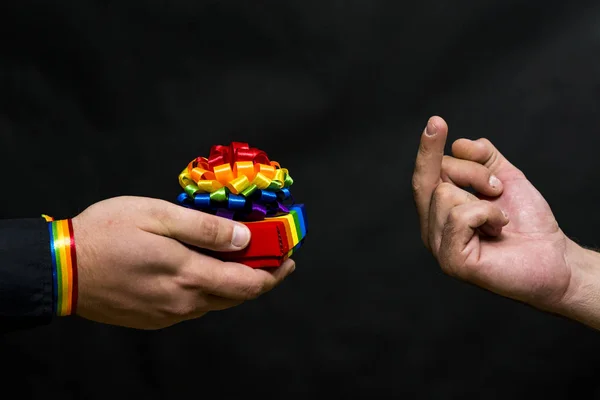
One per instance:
(581, 302)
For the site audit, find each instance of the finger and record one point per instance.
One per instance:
(231, 280)
(428, 167)
(200, 229)
(461, 226)
(481, 151)
(466, 173)
(445, 198)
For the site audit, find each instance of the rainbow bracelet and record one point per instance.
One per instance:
(64, 266)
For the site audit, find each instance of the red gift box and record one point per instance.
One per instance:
(273, 240)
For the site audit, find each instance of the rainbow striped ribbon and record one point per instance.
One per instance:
(64, 265)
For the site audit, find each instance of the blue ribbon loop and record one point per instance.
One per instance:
(259, 205)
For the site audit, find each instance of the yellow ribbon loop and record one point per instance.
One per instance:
(244, 178)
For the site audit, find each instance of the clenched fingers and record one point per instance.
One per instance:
(463, 221)
(445, 197)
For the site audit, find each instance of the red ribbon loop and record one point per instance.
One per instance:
(236, 151)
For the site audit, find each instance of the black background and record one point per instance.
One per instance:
(105, 98)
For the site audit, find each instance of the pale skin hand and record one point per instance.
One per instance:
(138, 267)
(505, 239)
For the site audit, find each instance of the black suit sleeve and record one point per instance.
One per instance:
(26, 288)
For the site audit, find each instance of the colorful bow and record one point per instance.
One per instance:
(236, 182)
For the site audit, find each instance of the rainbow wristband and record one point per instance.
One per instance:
(64, 266)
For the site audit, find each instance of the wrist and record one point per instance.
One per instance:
(581, 301)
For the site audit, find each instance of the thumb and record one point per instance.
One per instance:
(457, 245)
(200, 229)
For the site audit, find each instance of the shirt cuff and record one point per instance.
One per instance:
(26, 291)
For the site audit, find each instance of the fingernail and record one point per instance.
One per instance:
(431, 129)
(241, 236)
(494, 182)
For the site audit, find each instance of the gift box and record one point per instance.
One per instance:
(273, 240)
(241, 183)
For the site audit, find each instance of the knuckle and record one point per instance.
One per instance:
(159, 213)
(455, 218)
(187, 279)
(211, 231)
(484, 141)
(448, 232)
(492, 155)
(443, 191)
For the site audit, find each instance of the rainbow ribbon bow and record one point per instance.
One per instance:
(236, 182)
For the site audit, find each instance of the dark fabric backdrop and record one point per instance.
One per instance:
(106, 98)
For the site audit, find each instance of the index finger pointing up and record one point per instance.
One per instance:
(428, 168)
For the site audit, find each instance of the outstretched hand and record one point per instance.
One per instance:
(139, 264)
(504, 238)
